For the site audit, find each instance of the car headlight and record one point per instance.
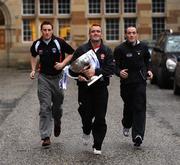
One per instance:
(171, 64)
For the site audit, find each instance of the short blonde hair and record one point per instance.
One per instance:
(94, 24)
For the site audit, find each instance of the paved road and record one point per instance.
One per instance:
(20, 143)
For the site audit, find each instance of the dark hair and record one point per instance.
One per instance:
(46, 23)
(131, 27)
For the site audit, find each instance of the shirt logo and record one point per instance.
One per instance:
(40, 51)
(138, 52)
(54, 50)
(102, 56)
(129, 55)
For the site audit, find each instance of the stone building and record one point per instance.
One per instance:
(20, 22)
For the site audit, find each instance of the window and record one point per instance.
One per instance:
(63, 6)
(130, 6)
(112, 6)
(2, 21)
(28, 7)
(64, 29)
(46, 6)
(28, 30)
(158, 20)
(94, 6)
(36, 11)
(129, 22)
(158, 6)
(173, 43)
(105, 12)
(112, 29)
(158, 27)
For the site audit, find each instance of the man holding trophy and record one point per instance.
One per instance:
(92, 65)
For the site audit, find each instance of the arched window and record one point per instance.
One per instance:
(2, 21)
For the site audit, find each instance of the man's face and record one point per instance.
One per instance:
(47, 32)
(131, 34)
(95, 34)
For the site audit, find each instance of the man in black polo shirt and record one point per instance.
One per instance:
(51, 51)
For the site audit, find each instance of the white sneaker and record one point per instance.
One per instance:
(126, 132)
(85, 139)
(96, 152)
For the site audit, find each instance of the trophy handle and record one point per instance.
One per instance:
(94, 79)
(67, 72)
(71, 76)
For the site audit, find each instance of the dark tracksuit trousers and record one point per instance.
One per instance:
(93, 105)
(134, 112)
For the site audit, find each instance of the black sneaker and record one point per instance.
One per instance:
(126, 132)
(57, 128)
(46, 142)
(137, 141)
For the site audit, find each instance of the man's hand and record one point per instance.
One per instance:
(59, 65)
(89, 72)
(149, 75)
(32, 74)
(82, 78)
(124, 73)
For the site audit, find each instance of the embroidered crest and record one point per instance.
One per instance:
(138, 52)
(102, 56)
(54, 50)
(129, 55)
(40, 51)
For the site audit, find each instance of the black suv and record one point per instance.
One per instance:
(164, 58)
(176, 87)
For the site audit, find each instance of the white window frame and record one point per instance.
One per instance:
(106, 34)
(155, 34)
(66, 22)
(29, 5)
(50, 14)
(94, 14)
(158, 6)
(130, 8)
(64, 14)
(115, 13)
(28, 30)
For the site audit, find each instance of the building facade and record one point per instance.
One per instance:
(20, 22)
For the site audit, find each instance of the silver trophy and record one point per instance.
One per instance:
(87, 59)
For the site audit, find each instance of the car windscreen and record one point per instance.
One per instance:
(173, 43)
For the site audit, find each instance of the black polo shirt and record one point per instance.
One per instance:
(50, 53)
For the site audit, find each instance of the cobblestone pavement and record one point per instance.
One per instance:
(20, 142)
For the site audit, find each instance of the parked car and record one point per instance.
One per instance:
(164, 58)
(176, 87)
(150, 45)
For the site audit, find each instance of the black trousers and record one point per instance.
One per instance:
(134, 112)
(92, 109)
